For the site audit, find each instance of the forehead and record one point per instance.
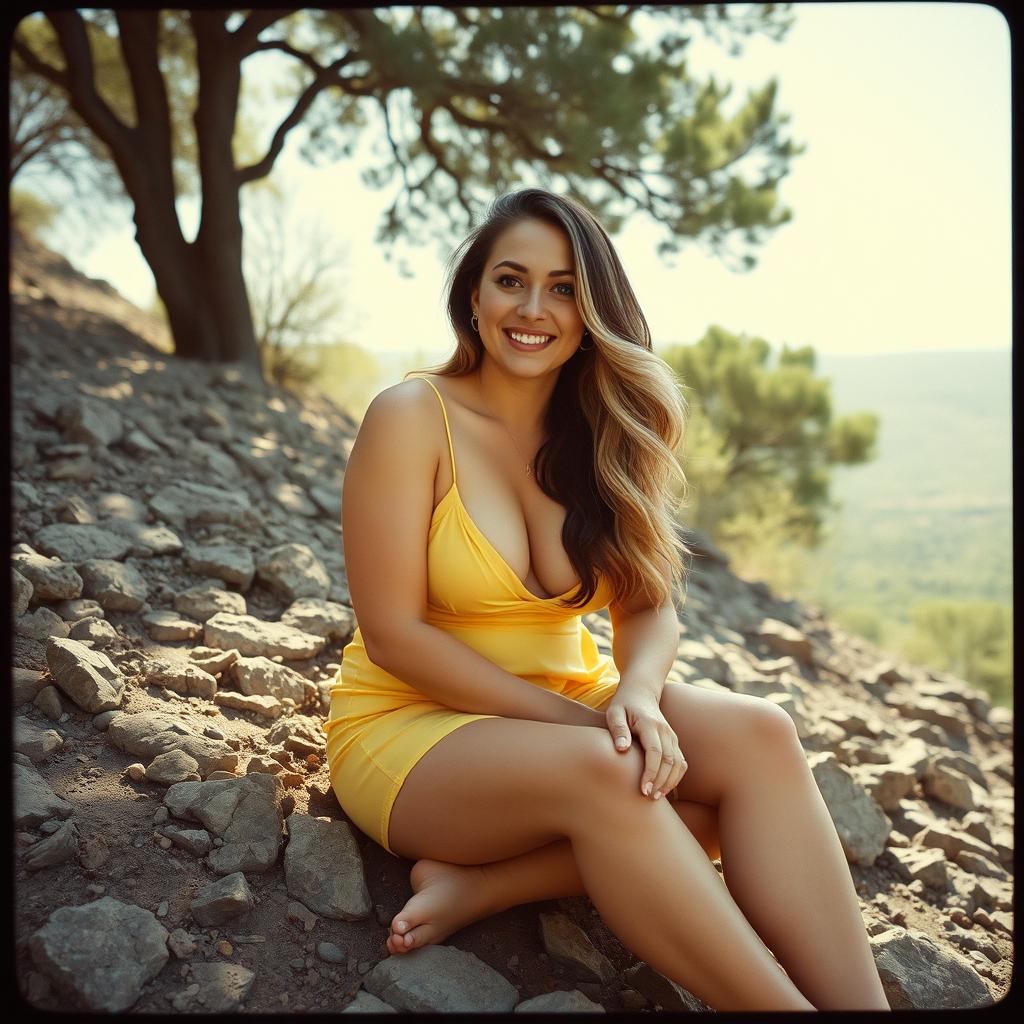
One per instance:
(535, 243)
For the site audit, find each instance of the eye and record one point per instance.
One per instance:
(507, 277)
(565, 284)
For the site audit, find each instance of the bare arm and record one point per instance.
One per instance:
(387, 504)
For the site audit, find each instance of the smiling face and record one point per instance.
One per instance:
(529, 321)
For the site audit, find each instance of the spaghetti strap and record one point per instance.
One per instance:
(448, 431)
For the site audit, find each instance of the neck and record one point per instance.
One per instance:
(520, 403)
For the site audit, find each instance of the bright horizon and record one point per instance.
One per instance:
(901, 233)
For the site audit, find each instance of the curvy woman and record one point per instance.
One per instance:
(476, 729)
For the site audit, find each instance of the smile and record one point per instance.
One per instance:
(526, 340)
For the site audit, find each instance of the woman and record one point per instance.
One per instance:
(476, 729)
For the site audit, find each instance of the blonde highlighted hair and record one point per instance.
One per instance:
(617, 403)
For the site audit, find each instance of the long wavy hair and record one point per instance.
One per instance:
(617, 403)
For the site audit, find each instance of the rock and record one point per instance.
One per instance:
(48, 579)
(180, 943)
(34, 801)
(246, 813)
(222, 900)
(784, 639)
(145, 540)
(560, 1002)
(222, 987)
(90, 421)
(185, 502)
(116, 585)
(293, 571)
(98, 632)
(36, 744)
(251, 636)
(861, 824)
(944, 714)
(164, 626)
(330, 953)
(196, 841)
(917, 975)
(440, 979)
(79, 542)
(363, 1002)
(979, 865)
(567, 943)
(888, 784)
(87, 676)
(301, 914)
(324, 869)
(171, 767)
(79, 608)
(58, 848)
(321, 618)
(954, 788)
(100, 954)
(104, 718)
(41, 624)
(952, 841)
(150, 733)
(231, 563)
(260, 675)
(662, 990)
(184, 677)
(266, 707)
(204, 600)
(26, 685)
(293, 499)
(21, 593)
(263, 764)
(299, 735)
(927, 865)
(47, 700)
(211, 660)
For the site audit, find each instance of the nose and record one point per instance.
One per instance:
(531, 305)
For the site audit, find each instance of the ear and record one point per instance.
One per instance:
(474, 299)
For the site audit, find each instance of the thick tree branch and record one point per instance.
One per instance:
(246, 35)
(40, 67)
(138, 34)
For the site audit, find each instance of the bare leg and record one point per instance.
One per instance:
(781, 856)
(447, 897)
(645, 873)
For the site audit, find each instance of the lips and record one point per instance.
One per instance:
(538, 344)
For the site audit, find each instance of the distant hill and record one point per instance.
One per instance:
(931, 516)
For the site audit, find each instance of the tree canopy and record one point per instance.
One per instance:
(589, 106)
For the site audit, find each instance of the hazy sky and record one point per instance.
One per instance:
(900, 238)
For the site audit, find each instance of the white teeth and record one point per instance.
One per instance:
(528, 339)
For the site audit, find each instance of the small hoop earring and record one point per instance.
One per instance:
(475, 321)
(587, 348)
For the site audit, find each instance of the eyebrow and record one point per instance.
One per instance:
(523, 270)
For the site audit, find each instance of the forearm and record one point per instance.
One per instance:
(644, 648)
(450, 672)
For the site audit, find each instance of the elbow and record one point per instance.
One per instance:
(382, 642)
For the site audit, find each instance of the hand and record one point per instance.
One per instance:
(640, 715)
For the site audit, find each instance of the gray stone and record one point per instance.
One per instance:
(98, 632)
(293, 571)
(104, 718)
(90, 421)
(560, 1002)
(35, 743)
(363, 1002)
(47, 700)
(257, 704)
(231, 563)
(222, 900)
(88, 677)
(100, 954)
(324, 869)
(222, 986)
(50, 579)
(251, 636)
(75, 509)
(145, 540)
(861, 824)
(25, 685)
(169, 626)
(204, 600)
(181, 676)
(944, 783)
(41, 624)
(567, 943)
(147, 734)
(440, 979)
(21, 593)
(58, 848)
(34, 800)
(171, 767)
(246, 813)
(260, 675)
(912, 863)
(180, 943)
(196, 841)
(888, 784)
(330, 953)
(784, 639)
(917, 975)
(321, 618)
(79, 542)
(184, 502)
(116, 585)
(116, 508)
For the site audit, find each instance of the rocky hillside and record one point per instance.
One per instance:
(179, 608)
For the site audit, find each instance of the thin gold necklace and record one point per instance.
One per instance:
(529, 463)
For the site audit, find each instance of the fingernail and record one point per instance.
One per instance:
(400, 924)
(408, 939)
(657, 796)
(647, 788)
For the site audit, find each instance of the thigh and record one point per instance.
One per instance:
(493, 789)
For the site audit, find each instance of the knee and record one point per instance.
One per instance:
(610, 771)
(771, 731)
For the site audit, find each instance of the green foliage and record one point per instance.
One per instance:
(760, 442)
(30, 214)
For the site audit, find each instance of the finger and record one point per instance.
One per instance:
(619, 728)
(652, 761)
(678, 771)
(665, 773)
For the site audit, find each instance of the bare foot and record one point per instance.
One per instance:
(446, 897)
